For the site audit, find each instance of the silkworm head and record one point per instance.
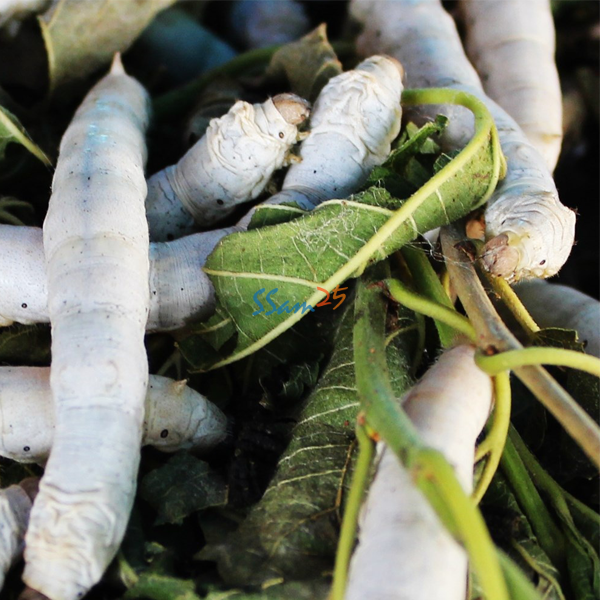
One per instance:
(293, 109)
(500, 258)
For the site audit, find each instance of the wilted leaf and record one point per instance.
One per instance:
(11, 131)
(182, 486)
(308, 63)
(161, 587)
(81, 36)
(293, 530)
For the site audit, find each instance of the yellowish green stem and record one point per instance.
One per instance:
(514, 304)
(402, 294)
(493, 444)
(366, 448)
(514, 359)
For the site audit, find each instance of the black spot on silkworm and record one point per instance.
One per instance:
(181, 289)
(89, 178)
(24, 305)
(314, 172)
(281, 135)
(26, 449)
(543, 262)
(220, 202)
(164, 433)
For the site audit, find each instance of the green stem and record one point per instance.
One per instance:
(513, 359)
(561, 500)
(492, 332)
(360, 477)
(447, 316)
(513, 302)
(496, 437)
(431, 472)
(548, 533)
(427, 283)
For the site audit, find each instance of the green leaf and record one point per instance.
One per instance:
(161, 587)
(182, 486)
(11, 131)
(308, 63)
(338, 239)
(571, 461)
(293, 530)
(80, 36)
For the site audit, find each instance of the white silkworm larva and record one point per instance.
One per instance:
(231, 164)
(261, 23)
(96, 246)
(530, 232)
(354, 121)
(176, 416)
(511, 44)
(180, 292)
(555, 305)
(15, 507)
(404, 551)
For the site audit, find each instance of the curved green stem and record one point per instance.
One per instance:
(513, 302)
(448, 316)
(495, 440)
(366, 448)
(430, 470)
(514, 359)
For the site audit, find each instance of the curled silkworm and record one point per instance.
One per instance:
(530, 232)
(96, 247)
(401, 536)
(353, 123)
(231, 164)
(176, 416)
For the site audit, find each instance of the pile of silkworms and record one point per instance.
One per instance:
(119, 256)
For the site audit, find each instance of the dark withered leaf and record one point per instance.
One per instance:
(293, 530)
(182, 486)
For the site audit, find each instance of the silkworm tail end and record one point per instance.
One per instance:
(117, 67)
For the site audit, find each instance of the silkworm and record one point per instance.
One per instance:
(555, 305)
(176, 417)
(404, 551)
(231, 164)
(96, 247)
(15, 506)
(180, 292)
(511, 44)
(530, 233)
(354, 121)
